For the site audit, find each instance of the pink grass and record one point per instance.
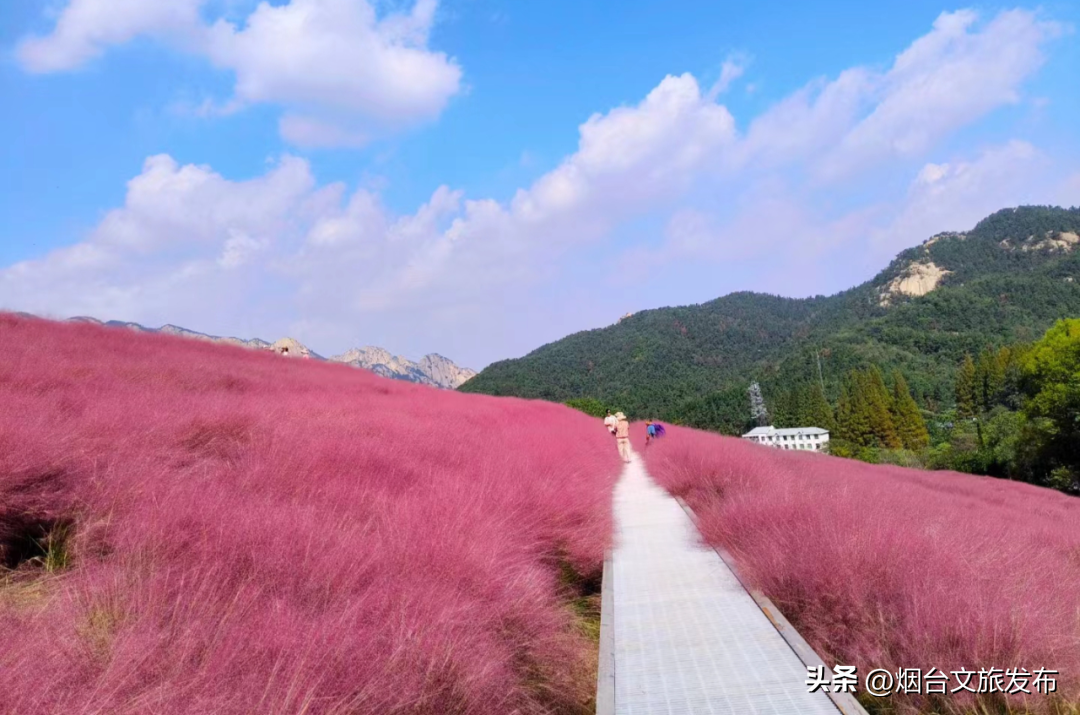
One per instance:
(885, 567)
(258, 534)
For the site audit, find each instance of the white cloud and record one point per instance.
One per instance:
(474, 277)
(732, 68)
(340, 70)
(239, 249)
(86, 28)
(338, 56)
(171, 206)
(945, 80)
(805, 240)
(632, 155)
(175, 245)
(314, 133)
(628, 161)
(954, 196)
(807, 123)
(184, 231)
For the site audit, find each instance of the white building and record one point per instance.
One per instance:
(812, 439)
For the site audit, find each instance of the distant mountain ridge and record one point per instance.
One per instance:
(434, 370)
(1004, 281)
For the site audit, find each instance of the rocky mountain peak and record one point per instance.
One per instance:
(291, 347)
(366, 357)
(434, 369)
(444, 371)
(917, 279)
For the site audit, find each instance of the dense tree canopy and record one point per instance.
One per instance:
(1051, 378)
(964, 389)
(684, 364)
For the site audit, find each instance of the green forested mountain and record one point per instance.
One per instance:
(1005, 281)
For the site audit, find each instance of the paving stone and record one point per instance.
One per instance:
(687, 637)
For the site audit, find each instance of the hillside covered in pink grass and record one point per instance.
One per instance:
(885, 567)
(191, 528)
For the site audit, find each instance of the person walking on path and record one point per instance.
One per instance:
(610, 423)
(622, 436)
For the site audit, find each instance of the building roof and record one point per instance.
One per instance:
(785, 432)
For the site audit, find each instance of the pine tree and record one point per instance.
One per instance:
(1012, 388)
(853, 413)
(910, 426)
(989, 378)
(966, 402)
(758, 413)
(816, 411)
(845, 415)
(879, 405)
(785, 408)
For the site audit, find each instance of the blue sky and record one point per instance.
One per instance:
(479, 177)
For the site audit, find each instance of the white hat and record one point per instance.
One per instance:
(620, 416)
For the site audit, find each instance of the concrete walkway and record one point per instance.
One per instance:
(683, 635)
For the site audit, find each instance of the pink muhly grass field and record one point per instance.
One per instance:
(886, 567)
(250, 533)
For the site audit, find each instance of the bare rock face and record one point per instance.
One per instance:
(434, 370)
(1053, 241)
(444, 372)
(916, 280)
(368, 357)
(291, 347)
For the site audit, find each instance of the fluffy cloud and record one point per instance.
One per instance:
(456, 252)
(341, 71)
(480, 279)
(953, 196)
(798, 233)
(942, 82)
(176, 245)
(732, 68)
(945, 80)
(86, 28)
(336, 58)
(785, 180)
(185, 231)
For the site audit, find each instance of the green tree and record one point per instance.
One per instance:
(966, 403)
(852, 421)
(1012, 393)
(879, 405)
(989, 378)
(588, 405)
(785, 408)
(815, 410)
(910, 426)
(1052, 381)
(803, 405)
(863, 411)
(723, 411)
